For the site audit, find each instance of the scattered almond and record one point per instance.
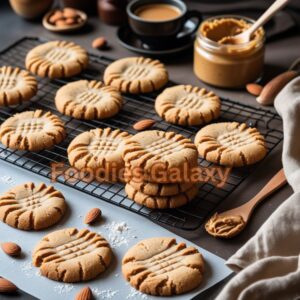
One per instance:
(6, 286)
(143, 124)
(273, 87)
(70, 12)
(92, 215)
(254, 89)
(11, 249)
(84, 294)
(99, 43)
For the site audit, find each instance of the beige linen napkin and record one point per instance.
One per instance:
(268, 265)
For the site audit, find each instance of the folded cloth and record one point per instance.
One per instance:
(268, 265)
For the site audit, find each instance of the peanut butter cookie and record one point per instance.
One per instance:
(16, 86)
(32, 130)
(57, 59)
(136, 75)
(160, 189)
(163, 267)
(98, 149)
(32, 207)
(230, 144)
(187, 105)
(88, 100)
(72, 255)
(161, 202)
(159, 154)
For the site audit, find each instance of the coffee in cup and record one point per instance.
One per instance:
(157, 12)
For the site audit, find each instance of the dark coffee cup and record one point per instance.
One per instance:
(160, 33)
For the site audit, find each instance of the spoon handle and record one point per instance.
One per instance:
(267, 15)
(276, 182)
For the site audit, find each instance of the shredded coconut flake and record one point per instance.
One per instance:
(105, 294)
(135, 294)
(118, 234)
(27, 269)
(63, 288)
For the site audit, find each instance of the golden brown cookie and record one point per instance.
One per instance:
(187, 105)
(230, 144)
(57, 59)
(98, 149)
(32, 130)
(88, 100)
(32, 207)
(162, 267)
(160, 189)
(72, 255)
(16, 86)
(136, 75)
(161, 202)
(159, 154)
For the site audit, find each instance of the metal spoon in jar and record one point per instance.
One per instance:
(231, 222)
(245, 36)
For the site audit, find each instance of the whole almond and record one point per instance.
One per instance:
(61, 23)
(57, 15)
(254, 89)
(143, 124)
(6, 286)
(11, 249)
(71, 21)
(70, 12)
(92, 215)
(99, 43)
(273, 87)
(84, 294)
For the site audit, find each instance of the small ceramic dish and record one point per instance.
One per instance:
(67, 27)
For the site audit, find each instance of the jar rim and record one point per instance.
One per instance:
(215, 45)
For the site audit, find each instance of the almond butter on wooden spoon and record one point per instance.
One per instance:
(245, 36)
(231, 222)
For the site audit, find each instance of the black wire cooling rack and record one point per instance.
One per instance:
(189, 217)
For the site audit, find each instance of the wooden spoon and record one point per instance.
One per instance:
(231, 222)
(245, 36)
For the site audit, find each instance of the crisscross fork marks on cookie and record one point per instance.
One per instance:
(192, 101)
(162, 147)
(136, 72)
(103, 146)
(29, 126)
(71, 255)
(57, 55)
(161, 266)
(90, 97)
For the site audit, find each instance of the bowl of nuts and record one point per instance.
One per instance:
(64, 20)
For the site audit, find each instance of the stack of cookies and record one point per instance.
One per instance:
(158, 165)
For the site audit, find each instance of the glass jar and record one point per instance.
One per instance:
(228, 65)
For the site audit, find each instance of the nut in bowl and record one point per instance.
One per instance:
(64, 20)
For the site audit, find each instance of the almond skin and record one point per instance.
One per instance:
(70, 12)
(273, 87)
(11, 249)
(92, 215)
(84, 294)
(254, 89)
(6, 286)
(99, 43)
(143, 124)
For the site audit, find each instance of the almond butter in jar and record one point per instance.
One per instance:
(219, 63)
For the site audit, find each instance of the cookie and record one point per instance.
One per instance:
(32, 207)
(57, 59)
(162, 267)
(187, 105)
(16, 86)
(98, 149)
(159, 154)
(88, 100)
(136, 75)
(72, 255)
(32, 130)
(160, 189)
(230, 144)
(161, 202)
